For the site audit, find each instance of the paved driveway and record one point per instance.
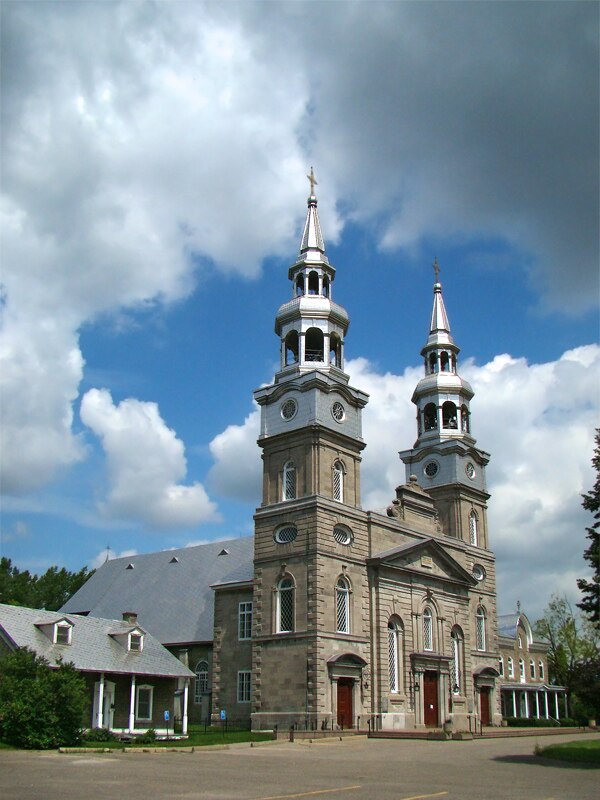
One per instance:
(498, 769)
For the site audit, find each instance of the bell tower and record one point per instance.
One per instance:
(310, 532)
(445, 459)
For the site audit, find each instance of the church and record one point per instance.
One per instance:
(333, 616)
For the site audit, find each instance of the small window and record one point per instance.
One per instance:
(289, 481)
(314, 345)
(473, 532)
(143, 704)
(449, 415)
(342, 605)
(285, 534)
(244, 691)
(136, 642)
(291, 348)
(342, 535)
(201, 681)
(430, 417)
(427, 630)
(511, 668)
(532, 669)
(245, 621)
(62, 633)
(522, 670)
(541, 669)
(394, 649)
(285, 605)
(501, 666)
(338, 481)
(480, 632)
(464, 419)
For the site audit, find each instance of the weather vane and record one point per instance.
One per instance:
(313, 181)
(436, 269)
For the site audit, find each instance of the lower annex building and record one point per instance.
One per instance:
(332, 614)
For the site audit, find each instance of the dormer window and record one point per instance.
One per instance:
(135, 642)
(63, 633)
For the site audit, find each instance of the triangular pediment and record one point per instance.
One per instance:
(427, 558)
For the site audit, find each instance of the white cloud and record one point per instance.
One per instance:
(146, 461)
(108, 553)
(536, 420)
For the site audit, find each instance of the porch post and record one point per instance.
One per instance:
(546, 702)
(514, 698)
(526, 693)
(566, 705)
(132, 706)
(556, 704)
(184, 726)
(537, 704)
(101, 702)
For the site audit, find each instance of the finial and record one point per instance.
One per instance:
(436, 269)
(107, 553)
(313, 181)
(518, 606)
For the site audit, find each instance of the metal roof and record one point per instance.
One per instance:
(93, 647)
(169, 590)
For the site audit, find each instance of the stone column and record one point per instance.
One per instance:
(132, 705)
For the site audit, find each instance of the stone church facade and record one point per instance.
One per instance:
(360, 615)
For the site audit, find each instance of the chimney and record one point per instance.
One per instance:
(130, 616)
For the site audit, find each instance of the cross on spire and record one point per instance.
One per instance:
(436, 269)
(313, 181)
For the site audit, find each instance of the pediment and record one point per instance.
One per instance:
(426, 558)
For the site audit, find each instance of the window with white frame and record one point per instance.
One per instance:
(394, 655)
(245, 620)
(338, 481)
(289, 481)
(511, 667)
(532, 668)
(456, 665)
(244, 686)
(135, 642)
(501, 666)
(480, 632)
(522, 670)
(473, 533)
(200, 681)
(427, 629)
(285, 605)
(143, 702)
(342, 605)
(63, 633)
(541, 669)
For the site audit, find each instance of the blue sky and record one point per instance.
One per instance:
(154, 190)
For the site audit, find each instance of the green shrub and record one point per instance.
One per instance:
(524, 722)
(147, 738)
(100, 735)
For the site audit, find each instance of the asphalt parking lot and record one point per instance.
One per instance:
(499, 769)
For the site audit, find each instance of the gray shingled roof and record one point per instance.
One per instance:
(507, 626)
(92, 648)
(169, 590)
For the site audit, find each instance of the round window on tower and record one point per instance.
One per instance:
(338, 412)
(285, 534)
(478, 572)
(289, 409)
(431, 469)
(342, 535)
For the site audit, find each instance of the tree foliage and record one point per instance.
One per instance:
(590, 603)
(50, 590)
(573, 656)
(40, 707)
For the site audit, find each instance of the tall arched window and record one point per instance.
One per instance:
(289, 481)
(285, 605)
(291, 348)
(395, 654)
(325, 286)
(501, 666)
(456, 666)
(314, 343)
(449, 415)
(338, 481)
(427, 629)
(313, 282)
(342, 605)
(532, 668)
(511, 667)
(464, 419)
(430, 417)
(473, 538)
(201, 681)
(444, 362)
(541, 669)
(299, 285)
(432, 363)
(335, 350)
(522, 670)
(480, 632)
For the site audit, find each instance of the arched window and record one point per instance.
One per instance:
(291, 348)
(427, 629)
(430, 417)
(449, 415)
(299, 285)
(342, 605)
(289, 481)
(456, 665)
(200, 681)
(285, 605)
(464, 419)
(314, 345)
(522, 670)
(395, 654)
(444, 362)
(532, 668)
(501, 666)
(325, 286)
(338, 481)
(432, 363)
(473, 538)
(480, 632)
(313, 282)
(541, 669)
(511, 667)
(335, 350)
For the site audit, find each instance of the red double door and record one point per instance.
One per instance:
(431, 711)
(345, 689)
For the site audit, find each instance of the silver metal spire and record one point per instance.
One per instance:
(312, 238)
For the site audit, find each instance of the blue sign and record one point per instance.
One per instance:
(223, 714)
(166, 716)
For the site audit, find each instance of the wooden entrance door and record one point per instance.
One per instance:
(484, 705)
(345, 687)
(431, 715)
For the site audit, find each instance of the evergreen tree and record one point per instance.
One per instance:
(590, 603)
(50, 590)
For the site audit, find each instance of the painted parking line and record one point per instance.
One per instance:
(311, 794)
(425, 796)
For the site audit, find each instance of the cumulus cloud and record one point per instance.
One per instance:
(536, 420)
(146, 461)
(108, 554)
(237, 472)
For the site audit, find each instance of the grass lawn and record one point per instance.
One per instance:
(197, 738)
(581, 752)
